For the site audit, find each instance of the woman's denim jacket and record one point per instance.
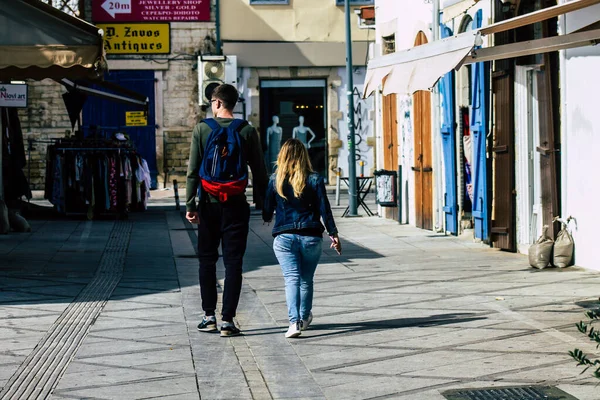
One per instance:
(299, 213)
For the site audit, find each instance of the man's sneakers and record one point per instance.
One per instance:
(306, 322)
(208, 324)
(294, 330)
(229, 329)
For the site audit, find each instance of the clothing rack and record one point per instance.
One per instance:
(95, 149)
(96, 180)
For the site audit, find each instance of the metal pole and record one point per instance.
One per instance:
(353, 200)
(219, 49)
(176, 190)
(436, 132)
(2, 130)
(338, 184)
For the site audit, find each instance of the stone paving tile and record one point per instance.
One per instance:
(491, 365)
(364, 387)
(112, 376)
(147, 388)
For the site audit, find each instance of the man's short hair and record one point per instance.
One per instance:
(228, 95)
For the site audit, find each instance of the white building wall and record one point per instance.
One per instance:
(581, 141)
(391, 17)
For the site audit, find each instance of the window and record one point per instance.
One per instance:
(259, 2)
(388, 44)
(356, 2)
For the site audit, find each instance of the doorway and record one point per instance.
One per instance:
(390, 143)
(104, 117)
(527, 132)
(423, 154)
(464, 148)
(297, 108)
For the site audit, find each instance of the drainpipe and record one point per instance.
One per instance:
(219, 49)
(563, 119)
(436, 132)
(1, 152)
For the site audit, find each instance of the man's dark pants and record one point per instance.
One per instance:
(226, 223)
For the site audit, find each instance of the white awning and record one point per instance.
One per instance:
(453, 11)
(419, 68)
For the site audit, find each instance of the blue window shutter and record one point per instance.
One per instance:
(446, 87)
(479, 126)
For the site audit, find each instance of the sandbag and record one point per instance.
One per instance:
(4, 222)
(540, 253)
(17, 222)
(563, 248)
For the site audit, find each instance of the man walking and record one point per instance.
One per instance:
(222, 214)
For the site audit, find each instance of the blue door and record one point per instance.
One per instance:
(479, 129)
(446, 87)
(104, 117)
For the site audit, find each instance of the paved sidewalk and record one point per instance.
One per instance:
(108, 310)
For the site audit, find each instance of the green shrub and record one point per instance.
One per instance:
(593, 334)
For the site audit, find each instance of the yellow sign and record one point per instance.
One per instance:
(130, 38)
(135, 118)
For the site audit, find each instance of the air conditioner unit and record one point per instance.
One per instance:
(214, 71)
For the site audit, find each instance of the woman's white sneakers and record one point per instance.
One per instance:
(294, 330)
(306, 322)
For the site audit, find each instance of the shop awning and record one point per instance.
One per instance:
(456, 9)
(419, 68)
(38, 41)
(108, 91)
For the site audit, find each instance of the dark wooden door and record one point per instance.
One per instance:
(390, 142)
(548, 143)
(503, 224)
(390, 132)
(423, 155)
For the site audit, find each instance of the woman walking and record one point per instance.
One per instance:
(298, 196)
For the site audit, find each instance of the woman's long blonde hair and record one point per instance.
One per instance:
(293, 166)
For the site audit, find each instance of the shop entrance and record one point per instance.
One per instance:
(294, 108)
(103, 118)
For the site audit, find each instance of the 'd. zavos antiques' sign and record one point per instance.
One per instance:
(150, 10)
(134, 38)
(13, 95)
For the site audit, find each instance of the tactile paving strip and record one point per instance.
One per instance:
(39, 374)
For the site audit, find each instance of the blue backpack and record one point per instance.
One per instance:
(224, 169)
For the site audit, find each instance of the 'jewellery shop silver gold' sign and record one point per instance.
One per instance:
(13, 95)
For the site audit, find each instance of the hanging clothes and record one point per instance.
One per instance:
(92, 182)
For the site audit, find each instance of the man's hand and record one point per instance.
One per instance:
(192, 217)
(336, 244)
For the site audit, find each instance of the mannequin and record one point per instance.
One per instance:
(301, 133)
(274, 133)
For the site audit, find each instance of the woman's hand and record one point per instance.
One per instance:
(336, 244)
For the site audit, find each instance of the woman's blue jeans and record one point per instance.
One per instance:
(298, 256)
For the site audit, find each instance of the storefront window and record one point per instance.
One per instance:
(356, 2)
(294, 109)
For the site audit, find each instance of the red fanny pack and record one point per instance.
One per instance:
(222, 191)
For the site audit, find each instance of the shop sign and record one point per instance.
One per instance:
(136, 38)
(150, 10)
(13, 95)
(136, 118)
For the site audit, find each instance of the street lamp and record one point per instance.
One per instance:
(353, 200)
